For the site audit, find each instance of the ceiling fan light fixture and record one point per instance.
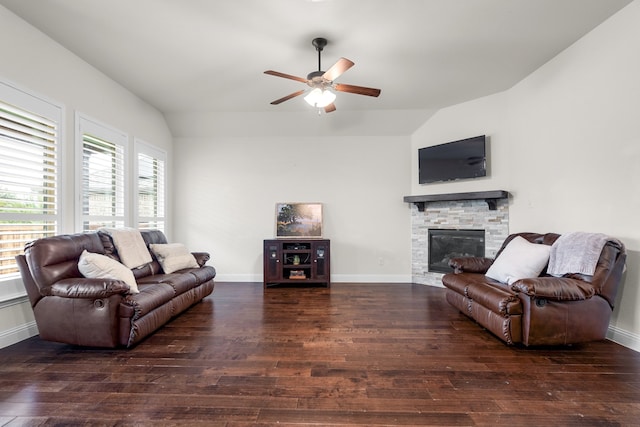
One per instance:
(321, 81)
(320, 98)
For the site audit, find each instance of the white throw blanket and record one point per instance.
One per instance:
(576, 252)
(131, 248)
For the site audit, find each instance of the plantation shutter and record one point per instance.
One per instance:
(151, 191)
(103, 183)
(29, 147)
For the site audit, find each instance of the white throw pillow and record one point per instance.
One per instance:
(97, 266)
(173, 256)
(520, 259)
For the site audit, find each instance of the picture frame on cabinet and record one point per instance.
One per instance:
(299, 220)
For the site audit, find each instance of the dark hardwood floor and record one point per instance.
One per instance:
(354, 354)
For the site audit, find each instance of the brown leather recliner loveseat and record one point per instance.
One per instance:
(73, 309)
(543, 310)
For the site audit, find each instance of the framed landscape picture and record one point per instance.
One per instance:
(295, 220)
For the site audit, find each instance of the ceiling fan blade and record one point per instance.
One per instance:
(359, 90)
(329, 108)
(288, 97)
(286, 76)
(337, 69)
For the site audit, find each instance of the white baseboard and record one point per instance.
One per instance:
(17, 334)
(238, 278)
(335, 278)
(371, 278)
(624, 338)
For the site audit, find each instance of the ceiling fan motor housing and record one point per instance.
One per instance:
(315, 78)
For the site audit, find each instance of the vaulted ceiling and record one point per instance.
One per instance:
(198, 56)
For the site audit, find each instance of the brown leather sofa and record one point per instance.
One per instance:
(72, 309)
(544, 310)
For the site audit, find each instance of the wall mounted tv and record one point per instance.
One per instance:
(462, 159)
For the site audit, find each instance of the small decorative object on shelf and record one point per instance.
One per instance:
(297, 275)
(298, 261)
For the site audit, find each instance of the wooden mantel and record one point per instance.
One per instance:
(491, 197)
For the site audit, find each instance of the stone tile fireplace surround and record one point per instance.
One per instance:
(480, 210)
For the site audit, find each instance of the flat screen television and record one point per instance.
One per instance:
(461, 159)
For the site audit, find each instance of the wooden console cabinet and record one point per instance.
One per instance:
(296, 261)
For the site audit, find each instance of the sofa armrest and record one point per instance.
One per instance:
(470, 264)
(555, 288)
(86, 288)
(201, 257)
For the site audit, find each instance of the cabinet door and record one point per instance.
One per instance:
(321, 258)
(272, 263)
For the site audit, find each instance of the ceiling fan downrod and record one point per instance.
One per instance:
(319, 43)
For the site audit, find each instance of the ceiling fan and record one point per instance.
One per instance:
(322, 83)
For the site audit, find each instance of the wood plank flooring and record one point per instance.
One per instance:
(354, 354)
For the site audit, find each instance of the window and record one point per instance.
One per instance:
(103, 186)
(151, 187)
(29, 178)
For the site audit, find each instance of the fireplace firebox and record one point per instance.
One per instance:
(445, 244)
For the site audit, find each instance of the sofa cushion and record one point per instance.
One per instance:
(151, 296)
(97, 266)
(153, 236)
(180, 282)
(55, 258)
(173, 257)
(479, 289)
(520, 259)
(203, 274)
(495, 297)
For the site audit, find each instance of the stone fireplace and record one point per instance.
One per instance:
(464, 212)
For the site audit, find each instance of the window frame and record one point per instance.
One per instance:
(142, 147)
(88, 125)
(11, 286)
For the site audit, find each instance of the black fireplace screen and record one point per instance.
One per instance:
(447, 244)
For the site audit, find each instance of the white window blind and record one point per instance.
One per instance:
(103, 183)
(151, 188)
(29, 179)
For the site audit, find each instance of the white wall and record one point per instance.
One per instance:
(228, 188)
(33, 62)
(565, 142)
